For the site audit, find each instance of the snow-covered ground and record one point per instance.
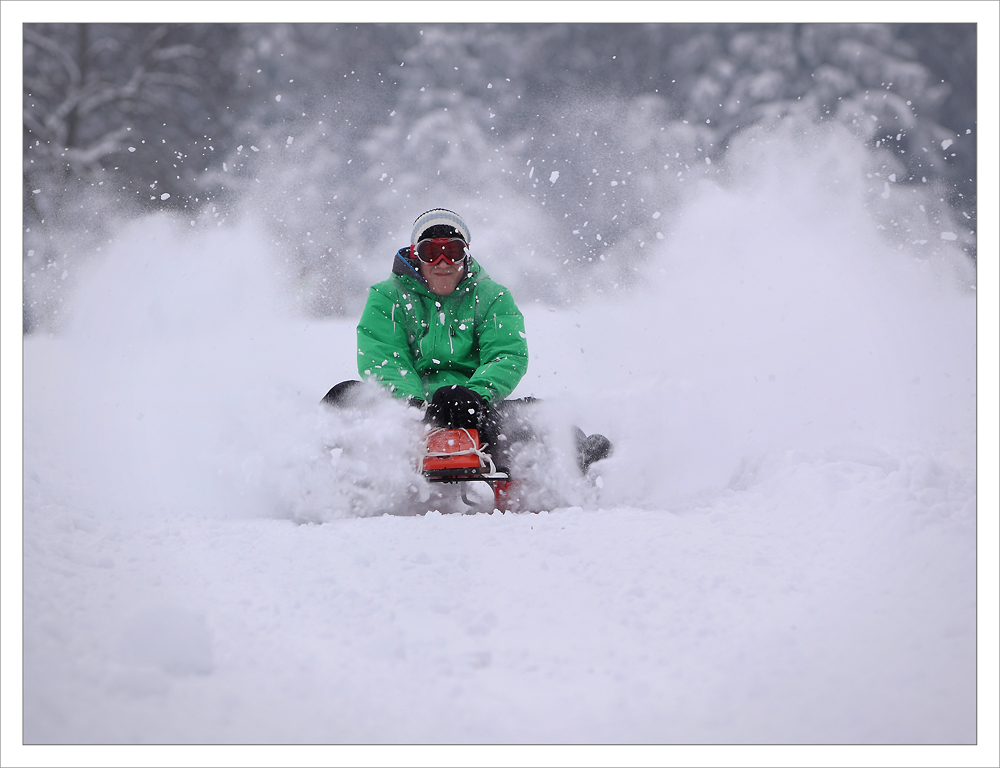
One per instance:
(781, 550)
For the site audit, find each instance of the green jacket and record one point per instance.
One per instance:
(413, 341)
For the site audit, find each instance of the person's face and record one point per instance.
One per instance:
(442, 277)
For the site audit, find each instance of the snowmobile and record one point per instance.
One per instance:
(458, 456)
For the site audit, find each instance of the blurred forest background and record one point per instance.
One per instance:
(567, 146)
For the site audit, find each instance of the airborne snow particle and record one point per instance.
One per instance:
(278, 97)
(165, 196)
(949, 236)
(946, 143)
(131, 149)
(553, 177)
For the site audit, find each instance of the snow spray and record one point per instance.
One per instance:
(785, 312)
(781, 314)
(174, 390)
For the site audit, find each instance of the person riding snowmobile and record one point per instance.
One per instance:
(443, 336)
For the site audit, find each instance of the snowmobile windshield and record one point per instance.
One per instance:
(431, 251)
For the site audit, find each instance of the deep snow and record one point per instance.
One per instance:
(782, 549)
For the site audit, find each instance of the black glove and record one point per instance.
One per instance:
(456, 407)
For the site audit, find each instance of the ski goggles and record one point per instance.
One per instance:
(451, 249)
